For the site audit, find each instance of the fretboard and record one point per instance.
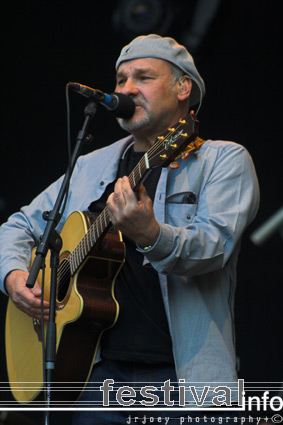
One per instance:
(163, 151)
(102, 222)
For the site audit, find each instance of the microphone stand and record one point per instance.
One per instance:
(52, 241)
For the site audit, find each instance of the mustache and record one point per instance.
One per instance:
(139, 101)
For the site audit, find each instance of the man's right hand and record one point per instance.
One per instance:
(26, 299)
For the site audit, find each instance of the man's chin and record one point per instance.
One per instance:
(133, 124)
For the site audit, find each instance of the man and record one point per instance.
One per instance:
(182, 233)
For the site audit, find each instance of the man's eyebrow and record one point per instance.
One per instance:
(137, 71)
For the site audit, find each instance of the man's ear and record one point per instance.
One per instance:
(184, 87)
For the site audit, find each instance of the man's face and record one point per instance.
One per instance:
(150, 84)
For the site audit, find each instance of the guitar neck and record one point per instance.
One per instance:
(103, 222)
(165, 150)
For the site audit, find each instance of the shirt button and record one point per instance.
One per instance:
(188, 217)
(101, 183)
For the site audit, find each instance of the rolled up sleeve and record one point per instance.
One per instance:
(227, 202)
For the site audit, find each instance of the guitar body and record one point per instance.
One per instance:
(85, 308)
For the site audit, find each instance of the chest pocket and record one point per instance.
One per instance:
(181, 209)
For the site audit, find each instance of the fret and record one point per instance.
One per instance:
(142, 167)
(137, 179)
(105, 218)
(96, 230)
(86, 245)
(134, 177)
(71, 265)
(83, 253)
(80, 252)
(146, 161)
(88, 242)
(75, 259)
(165, 149)
(93, 238)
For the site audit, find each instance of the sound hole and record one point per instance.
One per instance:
(64, 277)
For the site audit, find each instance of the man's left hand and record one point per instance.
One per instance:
(133, 216)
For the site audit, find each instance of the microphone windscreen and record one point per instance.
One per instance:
(125, 107)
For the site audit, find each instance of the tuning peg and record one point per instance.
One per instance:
(174, 165)
(185, 155)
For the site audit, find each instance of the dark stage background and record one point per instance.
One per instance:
(47, 44)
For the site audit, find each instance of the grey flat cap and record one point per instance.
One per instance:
(166, 48)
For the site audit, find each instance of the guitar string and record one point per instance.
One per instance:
(86, 244)
(75, 258)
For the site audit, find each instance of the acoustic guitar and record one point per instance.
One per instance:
(90, 260)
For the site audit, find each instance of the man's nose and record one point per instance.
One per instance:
(129, 88)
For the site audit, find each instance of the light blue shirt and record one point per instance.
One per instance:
(196, 251)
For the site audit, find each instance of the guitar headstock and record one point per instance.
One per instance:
(170, 143)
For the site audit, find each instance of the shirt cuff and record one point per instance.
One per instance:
(162, 247)
(6, 271)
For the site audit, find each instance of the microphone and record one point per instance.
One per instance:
(118, 104)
